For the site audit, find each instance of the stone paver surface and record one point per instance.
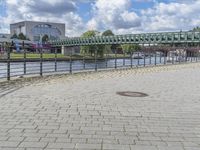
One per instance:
(83, 111)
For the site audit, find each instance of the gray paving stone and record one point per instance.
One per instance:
(8, 144)
(88, 146)
(143, 147)
(60, 145)
(33, 144)
(116, 147)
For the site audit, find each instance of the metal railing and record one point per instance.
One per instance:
(50, 61)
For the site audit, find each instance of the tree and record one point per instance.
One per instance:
(107, 33)
(130, 48)
(14, 36)
(21, 36)
(196, 29)
(91, 48)
(45, 38)
(108, 48)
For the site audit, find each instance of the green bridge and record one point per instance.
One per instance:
(144, 38)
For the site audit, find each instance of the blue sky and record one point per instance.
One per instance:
(2, 7)
(121, 16)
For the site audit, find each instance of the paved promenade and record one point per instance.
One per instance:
(83, 111)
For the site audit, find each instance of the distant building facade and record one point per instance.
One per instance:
(2, 35)
(36, 30)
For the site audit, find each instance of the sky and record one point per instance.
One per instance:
(120, 16)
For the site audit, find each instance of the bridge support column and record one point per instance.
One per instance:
(66, 51)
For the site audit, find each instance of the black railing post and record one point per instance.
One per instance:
(198, 51)
(115, 59)
(70, 67)
(95, 59)
(160, 57)
(144, 59)
(106, 59)
(173, 57)
(131, 57)
(138, 60)
(55, 52)
(149, 58)
(8, 60)
(23, 47)
(83, 59)
(196, 55)
(155, 59)
(41, 62)
(124, 62)
(191, 56)
(165, 55)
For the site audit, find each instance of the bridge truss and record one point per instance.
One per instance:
(166, 38)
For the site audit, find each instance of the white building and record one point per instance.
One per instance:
(36, 30)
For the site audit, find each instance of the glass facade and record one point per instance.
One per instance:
(44, 29)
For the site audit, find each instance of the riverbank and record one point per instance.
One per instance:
(33, 57)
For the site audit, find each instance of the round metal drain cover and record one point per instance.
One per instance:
(132, 94)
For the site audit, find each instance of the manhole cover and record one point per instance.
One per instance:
(132, 94)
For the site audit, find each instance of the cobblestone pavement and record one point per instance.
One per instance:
(83, 111)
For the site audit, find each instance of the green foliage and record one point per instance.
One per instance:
(91, 48)
(45, 38)
(14, 36)
(130, 48)
(196, 29)
(107, 33)
(21, 36)
(108, 48)
(3, 36)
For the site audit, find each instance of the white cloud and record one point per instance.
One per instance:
(172, 16)
(114, 15)
(42, 10)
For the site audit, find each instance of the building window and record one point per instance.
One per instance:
(43, 29)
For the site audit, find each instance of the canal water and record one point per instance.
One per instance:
(17, 68)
